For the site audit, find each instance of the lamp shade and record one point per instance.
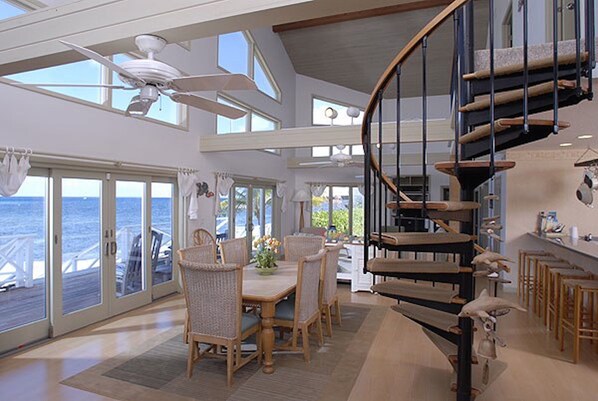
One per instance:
(301, 196)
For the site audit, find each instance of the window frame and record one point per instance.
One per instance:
(340, 103)
(253, 52)
(352, 187)
(250, 112)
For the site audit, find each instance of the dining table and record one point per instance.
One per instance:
(266, 291)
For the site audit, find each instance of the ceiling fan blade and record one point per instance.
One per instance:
(73, 86)
(137, 108)
(104, 61)
(213, 83)
(207, 105)
(315, 163)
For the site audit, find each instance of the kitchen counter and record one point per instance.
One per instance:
(579, 246)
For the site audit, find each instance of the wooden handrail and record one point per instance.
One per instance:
(383, 84)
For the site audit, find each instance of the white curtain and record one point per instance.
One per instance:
(318, 189)
(281, 192)
(187, 181)
(223, 185)
(13, 173)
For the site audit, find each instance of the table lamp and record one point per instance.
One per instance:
(301, 196)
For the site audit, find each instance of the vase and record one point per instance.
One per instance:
(266, 271)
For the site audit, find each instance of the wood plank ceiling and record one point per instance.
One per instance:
(353, 53)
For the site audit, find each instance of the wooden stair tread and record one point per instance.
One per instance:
(449, 167)
(545, 62)
(505, 123)
(387, 265)
(443, 206)
(419, 238)
(439, 319)
(516, 95)
(419, 291)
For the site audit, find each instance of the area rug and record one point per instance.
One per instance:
(156, 369)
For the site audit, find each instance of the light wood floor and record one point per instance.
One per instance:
(402, 364)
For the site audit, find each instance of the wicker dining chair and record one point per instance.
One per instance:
(235, 251)
(202, 237)
(303, 311)
(296, 247)
(329, 287)
(196, 254)
(213, 298)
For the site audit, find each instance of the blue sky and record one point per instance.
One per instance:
(8, 10)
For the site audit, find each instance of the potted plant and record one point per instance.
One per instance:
(265, 258)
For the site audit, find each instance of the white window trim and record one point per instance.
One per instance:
(253, 51)
(250, 112)
(330, 150)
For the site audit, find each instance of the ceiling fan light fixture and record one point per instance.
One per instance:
(353, 112)
(330, 113)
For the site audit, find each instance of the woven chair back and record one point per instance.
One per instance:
(329, 272)
(213, 296)
(199, 254)
(307, 300)
(235, 251)
(296, 247)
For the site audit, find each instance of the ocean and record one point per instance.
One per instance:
(25, 216)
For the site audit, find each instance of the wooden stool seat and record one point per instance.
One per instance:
(554, 278)
(577, 312)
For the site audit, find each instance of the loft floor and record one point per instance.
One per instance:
(402, 364)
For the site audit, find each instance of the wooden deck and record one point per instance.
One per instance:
(20, 306)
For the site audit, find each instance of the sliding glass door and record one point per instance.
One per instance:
(24, 263)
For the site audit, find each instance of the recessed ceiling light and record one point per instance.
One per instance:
(585, 136)
(565, 144)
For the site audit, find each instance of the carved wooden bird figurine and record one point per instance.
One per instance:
(487, 257)
(482, 305)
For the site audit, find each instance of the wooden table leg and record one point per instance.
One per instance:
(268, 309)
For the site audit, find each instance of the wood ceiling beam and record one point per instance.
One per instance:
(350, 16)
(291, 138)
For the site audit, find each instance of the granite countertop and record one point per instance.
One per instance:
(586, 248)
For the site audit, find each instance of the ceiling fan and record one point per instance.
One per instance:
(336, 160)
(153, 78)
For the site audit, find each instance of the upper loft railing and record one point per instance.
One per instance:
(384, 186)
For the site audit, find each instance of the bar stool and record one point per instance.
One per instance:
(578, 297)
(554, 279)
(523, 279)
(535, 284)
(543, 287)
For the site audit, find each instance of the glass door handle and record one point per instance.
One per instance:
(113, 248)
(107, 250)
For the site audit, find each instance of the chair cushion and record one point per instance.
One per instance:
(248, 321)
(285, 310)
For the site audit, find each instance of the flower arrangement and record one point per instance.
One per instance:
(267, 249)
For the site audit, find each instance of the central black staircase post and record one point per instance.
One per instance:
(367, 191)
(466, 291)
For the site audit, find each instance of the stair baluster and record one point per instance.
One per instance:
(381, 173)
(555, 66)
(367, 183)
(492, 89)
(398, 148)
(424, 212)
(590, 44)
(577, 45)
(525, 69)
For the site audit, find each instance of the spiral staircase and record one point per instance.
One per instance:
(494, 93)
